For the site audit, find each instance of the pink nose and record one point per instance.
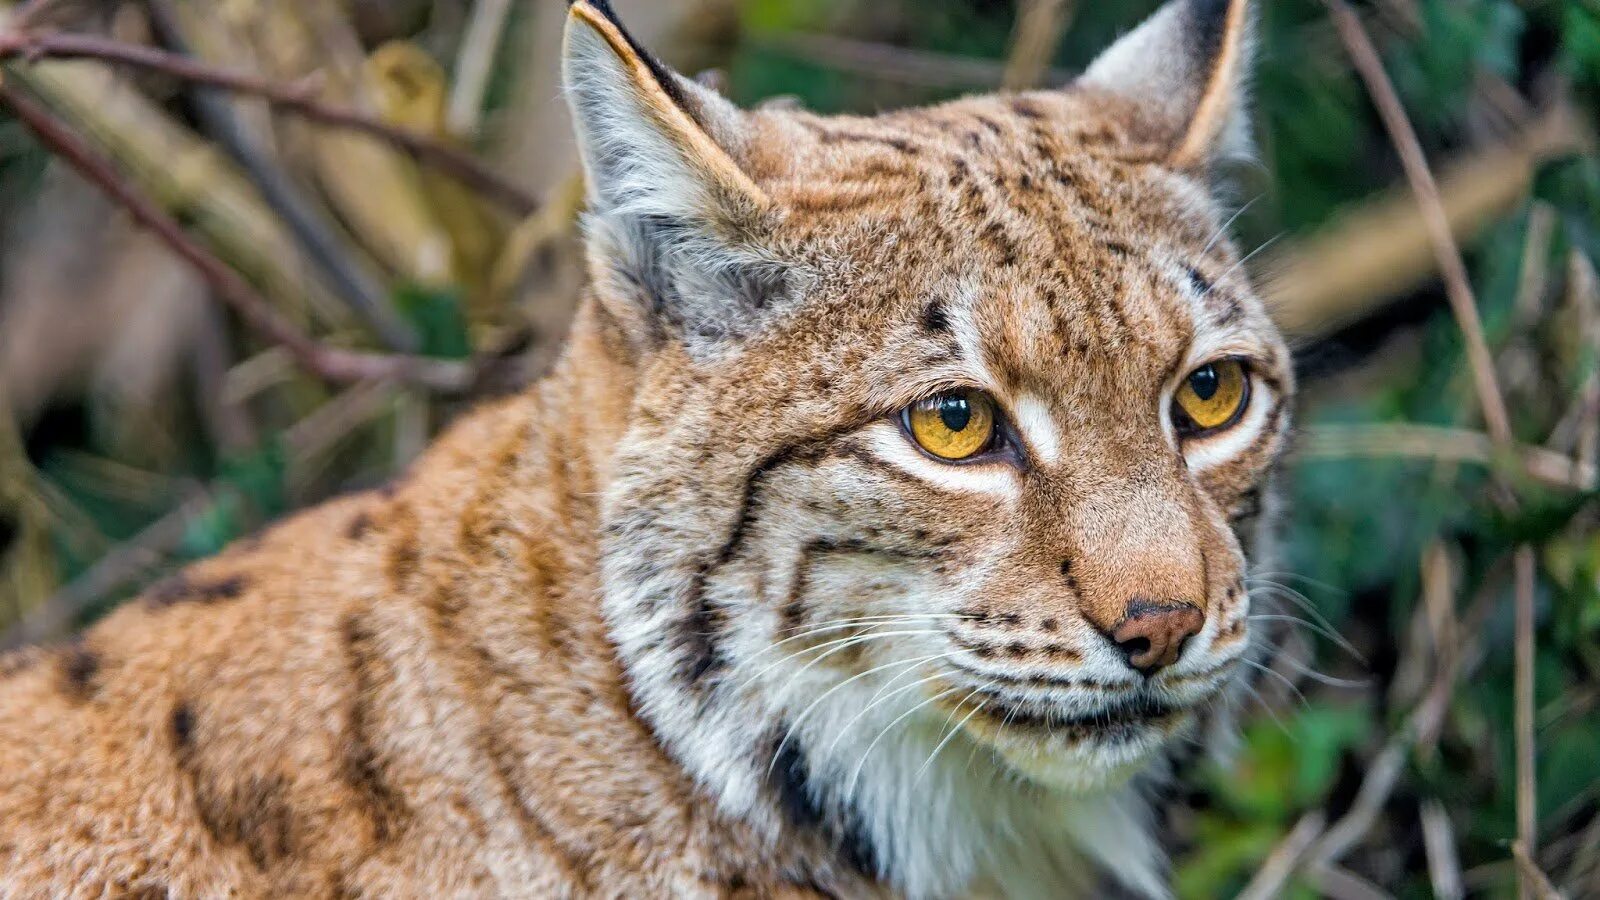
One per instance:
(1152, 635)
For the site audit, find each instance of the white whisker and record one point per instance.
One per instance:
(873, 702)
(953, 732)
(1280, 676)
(854, 776)
(789, 733)
(1223, 230)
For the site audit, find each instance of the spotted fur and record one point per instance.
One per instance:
(692, 616)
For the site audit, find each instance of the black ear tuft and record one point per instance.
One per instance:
(663, 75)
(1210, 18)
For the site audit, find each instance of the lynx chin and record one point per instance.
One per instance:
(883, 531)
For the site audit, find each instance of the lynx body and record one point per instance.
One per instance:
(736, 602)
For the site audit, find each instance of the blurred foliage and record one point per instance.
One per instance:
(259, 439)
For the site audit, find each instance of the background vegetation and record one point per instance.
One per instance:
(152, 409)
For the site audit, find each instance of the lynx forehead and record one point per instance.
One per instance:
(882, 531)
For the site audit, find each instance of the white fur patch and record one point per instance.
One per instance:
(1038, 427)
(999, 479)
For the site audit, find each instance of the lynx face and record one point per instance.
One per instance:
(949, 422)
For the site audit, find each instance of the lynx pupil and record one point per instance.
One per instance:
(1204, 382)
(955, 412)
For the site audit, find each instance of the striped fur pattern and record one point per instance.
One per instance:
(693, 616)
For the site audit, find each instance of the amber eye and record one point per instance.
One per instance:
(1212, 397)
(953, 425)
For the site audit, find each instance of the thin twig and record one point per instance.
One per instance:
(357, 287)
(1270, 879)
(1438, 841)
(474, 62)
(1532, 876)
(122, 564)
(1444, 444)
(1458, 288)
(1527, 812)
(331, 363)
(1040, 24)
(1338, 883)
(299, 98)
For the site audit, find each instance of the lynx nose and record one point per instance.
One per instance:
(1151, 635)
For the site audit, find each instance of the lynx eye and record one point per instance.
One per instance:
(1211, 398)
(954, 425)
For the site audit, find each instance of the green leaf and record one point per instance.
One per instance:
(437, 315)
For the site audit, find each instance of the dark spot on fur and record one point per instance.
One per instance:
(359, 525)
(1198, 282)
(700, 628)
(252, 813)
(835, 136)
(935, 319)
(1118, 248)
(79, 666)
(182, 727)
(1026, 108)
(1050, 625)
(1016, 649)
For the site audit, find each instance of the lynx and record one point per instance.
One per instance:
(881, 532)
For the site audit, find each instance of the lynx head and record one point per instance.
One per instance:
(947, 424)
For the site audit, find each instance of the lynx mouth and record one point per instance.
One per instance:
(1115, 721)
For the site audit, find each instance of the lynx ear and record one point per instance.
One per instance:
(1186, 68)
(673, 219)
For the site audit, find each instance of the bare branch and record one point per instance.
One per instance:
(331, 363)
(1537, 883)
(1270, 879)
(124, 563)
(1438, 840)
(298, 98)
(1444, 445)
(1457, 286)
(1040, 24)
(356, 286)
(1527, 813)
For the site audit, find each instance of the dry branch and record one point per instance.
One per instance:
(1441, 444)
(1536, 882)
(1458, 288)
(331, 363)
(298, 98)
(1274, 874)
(318, 236)
(1040, 24)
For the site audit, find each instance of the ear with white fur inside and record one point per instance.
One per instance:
(674, 222)
(1186, 70)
